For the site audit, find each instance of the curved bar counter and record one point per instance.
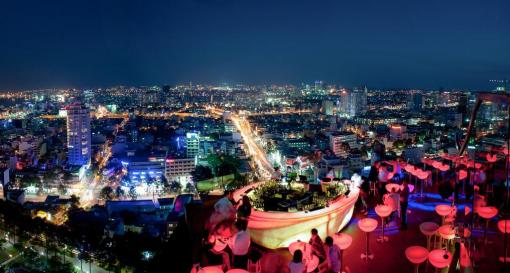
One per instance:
(273, 229)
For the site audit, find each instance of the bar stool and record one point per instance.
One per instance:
(504, 227)
(343, 241)
(237, 270)
(383, 211)
(367, 225)
(447, 234)
(487, 213)
(416, 255)
(211, 269)
(444, 210)
(428, 229)
(440, 259)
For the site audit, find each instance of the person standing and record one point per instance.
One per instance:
(240, 244)
(334, 256)
(244, 210)
(404, 199)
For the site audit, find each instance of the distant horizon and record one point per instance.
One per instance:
(489, 88)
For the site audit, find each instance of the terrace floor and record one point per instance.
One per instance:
(390, 256)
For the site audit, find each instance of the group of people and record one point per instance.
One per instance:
(228, 241)
(326, 251)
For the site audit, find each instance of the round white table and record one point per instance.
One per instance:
(306, 248)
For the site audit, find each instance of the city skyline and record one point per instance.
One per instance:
(392, 45)
(238, 136)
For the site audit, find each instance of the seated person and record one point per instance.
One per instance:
(318, 248)
(297, 265)
(223, 211)
(216, 254)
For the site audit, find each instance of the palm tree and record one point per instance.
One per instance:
(119, 192)
(75, 201)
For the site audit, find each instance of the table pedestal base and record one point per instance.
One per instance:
(416, 267)
(382, 239)
(366, 257)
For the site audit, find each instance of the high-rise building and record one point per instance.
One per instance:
(415, 101)
(343, 104)
(319, 86)
(192, 144)
(78, 135)
(179, 169)
(88, 97)
(327, 107)
(357, 102)
(462, 107)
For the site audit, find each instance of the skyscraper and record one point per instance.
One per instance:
(78, 134)
(415, 101)
(192, 144)
(462, 106)
(327, 107)
(357, 102)
(319, 86)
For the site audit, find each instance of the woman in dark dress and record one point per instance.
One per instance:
(244, 210)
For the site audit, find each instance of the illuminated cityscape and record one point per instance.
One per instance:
(151, 140)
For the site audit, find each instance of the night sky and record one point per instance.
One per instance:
(380, 43)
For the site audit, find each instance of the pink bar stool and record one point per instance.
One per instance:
(367, 225)
(444, 210)
(343, 241)
(504, 227)
(416, 255)
(447, 234)
(487, 213)
(429, 229)
(383, 211)
(440, 259)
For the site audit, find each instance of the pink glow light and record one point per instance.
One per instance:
(487, 212)
(504, 226)
(367, 224)
(417, 254)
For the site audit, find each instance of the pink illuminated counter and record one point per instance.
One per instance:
(279, 229)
